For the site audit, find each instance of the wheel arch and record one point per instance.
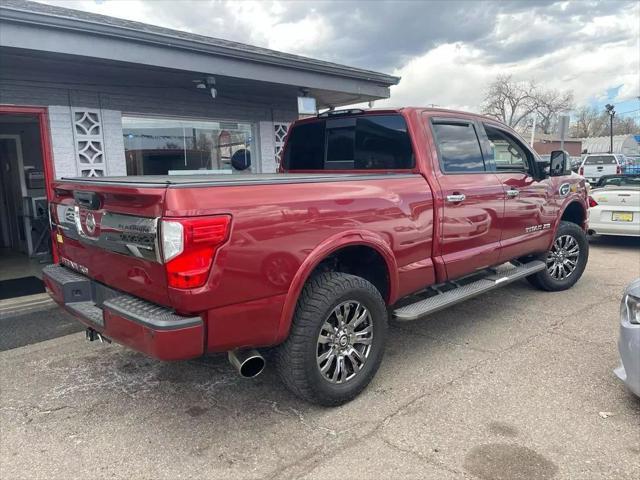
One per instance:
(574, 211)
(326, 250)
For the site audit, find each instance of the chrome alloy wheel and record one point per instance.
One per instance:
(562, 259)
(344, 342)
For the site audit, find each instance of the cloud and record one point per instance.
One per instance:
(445, 51)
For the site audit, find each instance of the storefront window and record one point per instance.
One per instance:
(155, 146)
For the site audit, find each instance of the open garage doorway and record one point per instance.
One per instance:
(25, 176)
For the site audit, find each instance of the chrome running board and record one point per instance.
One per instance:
(457, 292)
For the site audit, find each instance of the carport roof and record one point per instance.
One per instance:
(25, 15)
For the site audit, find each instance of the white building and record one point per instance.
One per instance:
(624, 144)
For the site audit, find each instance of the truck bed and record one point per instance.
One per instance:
(222, 180)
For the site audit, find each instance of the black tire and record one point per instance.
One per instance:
(544, 280)
(297, 358)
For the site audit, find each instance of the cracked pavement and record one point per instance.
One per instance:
(510, 385)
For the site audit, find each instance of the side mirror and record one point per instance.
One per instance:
(558, 162)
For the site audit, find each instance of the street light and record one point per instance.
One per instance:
(611, 112)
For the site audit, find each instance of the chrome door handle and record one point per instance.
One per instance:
(456, 198)
(512, 193)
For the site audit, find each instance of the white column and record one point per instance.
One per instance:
(62, 143)
(267, 147)
(113, 142)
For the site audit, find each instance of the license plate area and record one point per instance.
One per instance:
(622, 216)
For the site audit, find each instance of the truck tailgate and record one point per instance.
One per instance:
(598, 166)
(109, 233)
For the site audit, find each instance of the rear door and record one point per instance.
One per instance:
(471, 198)
(595, 166)
(529, 210)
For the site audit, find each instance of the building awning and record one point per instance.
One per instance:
(34, 27)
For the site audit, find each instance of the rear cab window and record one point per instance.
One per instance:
(366, 142)
(600, 160)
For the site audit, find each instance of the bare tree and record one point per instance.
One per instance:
(590, 122)
(509, 101)
(516, 103)
(625, 126)
(550, 104)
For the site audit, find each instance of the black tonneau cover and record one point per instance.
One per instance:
(207, 180)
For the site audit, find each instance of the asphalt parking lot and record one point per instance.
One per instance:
(516, 384)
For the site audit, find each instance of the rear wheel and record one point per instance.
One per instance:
(565, 261)
(336, 341)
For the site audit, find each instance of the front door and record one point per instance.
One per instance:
(471, 199)
(528, 212)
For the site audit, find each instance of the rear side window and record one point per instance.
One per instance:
(305, 147)
(369, 142)
(458, 147)
(600, 160)
(382, 142)
(341, 141)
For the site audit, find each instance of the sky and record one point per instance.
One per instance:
(446, 52)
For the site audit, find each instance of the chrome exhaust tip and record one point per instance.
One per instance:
(248, 363)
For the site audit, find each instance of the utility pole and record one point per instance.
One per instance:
(563, 126)
(533, 131)
(611, 111)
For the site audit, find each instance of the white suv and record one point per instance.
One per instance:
(597, 165)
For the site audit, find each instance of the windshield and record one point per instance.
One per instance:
(632, 181)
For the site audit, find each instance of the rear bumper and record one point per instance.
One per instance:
(601, 223)
(131, 321)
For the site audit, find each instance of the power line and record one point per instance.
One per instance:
(628, 111)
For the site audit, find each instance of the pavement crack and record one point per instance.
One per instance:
(315, 458)
(424, 458)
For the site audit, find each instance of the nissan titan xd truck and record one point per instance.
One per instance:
(374, 215)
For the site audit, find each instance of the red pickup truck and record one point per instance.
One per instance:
(374, 215)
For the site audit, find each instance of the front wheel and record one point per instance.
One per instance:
(336, 341)
(565, 262)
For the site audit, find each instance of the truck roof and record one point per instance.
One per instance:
(383, 110)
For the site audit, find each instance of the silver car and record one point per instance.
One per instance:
(629, 341)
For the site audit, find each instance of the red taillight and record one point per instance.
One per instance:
(618, 170)
(592, 202)
(581, 171)
(189, 247)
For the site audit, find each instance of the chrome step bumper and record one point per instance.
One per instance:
(89, 300)
(503, 275)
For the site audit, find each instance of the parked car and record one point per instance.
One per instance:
(401, 212)
(629, 340)
(614, 206)
(597, 165)
(575, 163)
